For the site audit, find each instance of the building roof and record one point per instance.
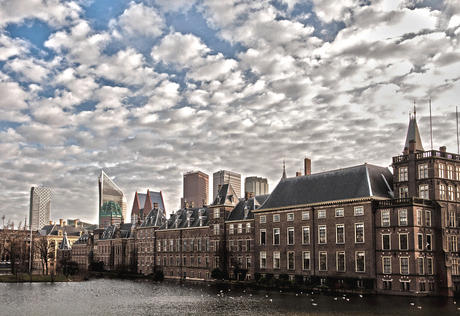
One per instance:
(155, 218)
(82, 240)
(187, 218)
(53, 230)
(243, 210)
(226, 196)
(145, 202)
(118, 231)
(343, 184)
(413, 134)
(65, 245)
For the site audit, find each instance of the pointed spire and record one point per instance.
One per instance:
(413, 134)
(284, 170)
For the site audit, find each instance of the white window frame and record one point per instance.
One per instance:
(423, 171)
(321, 214)
(276, 260)
(279, 236)
(289, 267)
(290, 229)
(306, 256)
(322, 253)
(407, 241)
(404, 260)
(290, 217)
(356, 260)
(337, 233)
(263, 232)
(359, 210)
(338, 253)
(322, 228)
(305, 215)
(403, 174)
(305, 241)
(424, 191)
(389, 242)
(263, 260)
(402, 217)
(386, 265)
(356, 233)
(276, 218)
(339, 212)
(263, 219)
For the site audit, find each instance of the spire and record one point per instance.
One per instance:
(65, 245)
(284, 170)
(413, 134)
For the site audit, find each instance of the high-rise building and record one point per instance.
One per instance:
(40, 207)
(196, 189)
(109, 191)
(259, 186)
(222, 177)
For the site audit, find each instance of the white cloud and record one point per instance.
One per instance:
(140, 19)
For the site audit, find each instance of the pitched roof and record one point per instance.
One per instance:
(413, 134)
(226, 196)
(115, 231)
(53, 230)
(243, 210)
(155, 218)
(342, 184)
(65, 245)
(187, 218)
(143, 204)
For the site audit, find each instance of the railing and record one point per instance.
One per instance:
(427, 154)
(403, 201)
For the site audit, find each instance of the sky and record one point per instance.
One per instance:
(149, 90)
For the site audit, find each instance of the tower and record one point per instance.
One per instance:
(222, 177)
(40, 207)
(196, 189)
(257, 185)
(109, 191)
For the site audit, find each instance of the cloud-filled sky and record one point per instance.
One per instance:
(149, 90)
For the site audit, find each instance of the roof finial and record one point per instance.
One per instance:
(284, 170)
(415, 111)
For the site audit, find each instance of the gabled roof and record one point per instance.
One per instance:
(53, 230)
(82, 240)
(243, 210)
(143, 203)
(155, 218)
(343, 184)
(115, 231)
(413, 134)
(65, 245)
(187, 218)
(226, 196)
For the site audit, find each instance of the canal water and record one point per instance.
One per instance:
(119, 297)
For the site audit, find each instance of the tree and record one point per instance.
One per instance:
(42, 246)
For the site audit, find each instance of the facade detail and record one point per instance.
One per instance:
(40, 207)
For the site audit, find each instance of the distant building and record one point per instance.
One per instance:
(144, 203)
(110, 214)
(222, 177)
(109, 191)
(256, 185)
(40, 207)
(196, 189)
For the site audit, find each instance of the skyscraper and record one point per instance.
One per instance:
(259, 186)
(109, 191)
(222, 177)
(196, 189)
(40, 207)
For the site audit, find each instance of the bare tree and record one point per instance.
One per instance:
(42, 246)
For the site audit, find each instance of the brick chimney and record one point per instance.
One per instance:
(307, 165)
(61, 221)
(75, 223)
(412, 145)
(443, 149)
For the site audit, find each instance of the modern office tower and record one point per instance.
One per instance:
(222, 177)
(109, 191)
(196, 189)
(259, 186)
(40, 207)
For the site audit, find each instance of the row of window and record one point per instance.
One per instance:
(322, 260)
(199, 263)
(188, 244)
(404, 265)
(452, 193)
(322, 235)
(239, 245)
(404, 242)
(339, 212)
(238, 229)
(402, 218)
(423, 172)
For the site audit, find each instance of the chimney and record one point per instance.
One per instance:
(307, 164)
(61, 222)
(442, 149)
(65, 223)
(298, 174)
(412, 145)
(51, 222)
(75, 223)
(155, 205)
(406, 151)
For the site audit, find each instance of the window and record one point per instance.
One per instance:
(403, 245)
(290, 217)
(403, 174)
(290, 260)
(455, 266)
(442, 192)
(216, 229)
(248, 262)
(402, 217)
(263, 260)
(386, 244)
(322, 234)
(360, 260)
(441, 169)
(276, 236)
(423, 171)
(305, 215)
(450, 193)
(450, 172)
(206, 262)
(457, 171)
(322, 261)
(420, 241)
(340, 261)
(339, 233)
(403, 192)
(306, 260)
(452, 218)
(429, 266)
(290, 235)
(359, 210)
(419, 217)
(248, 245)
(207, 244)
(216, 213)
(359, 232)
(386, 265)
(263, 219)
(240, 228)
(428, 218)
(248, 228)
(453, 243)
(322, 214)
(199, 244)
(239, 245)
(276, 218)
(458, 193)
(231, 229)
(385, 218)
(263, 234)
(305, 235)
(405, 286)
(423, 191)
(276, 260)
(339, 212)
(428, 242)
(421, 267)
(404, 265)
(387, 284)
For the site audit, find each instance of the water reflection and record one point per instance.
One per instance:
(118, 297)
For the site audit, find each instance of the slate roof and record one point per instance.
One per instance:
(65, 245)
(155, 218)
(226, 196)
(52, 230)
(155, 197)
(349, 183)
(125, 230)
(413, 134)
(82, 240)
(185, 218)
(238, 213)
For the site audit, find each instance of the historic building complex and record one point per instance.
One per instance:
(394, 232)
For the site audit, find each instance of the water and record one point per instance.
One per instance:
(118, 297)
